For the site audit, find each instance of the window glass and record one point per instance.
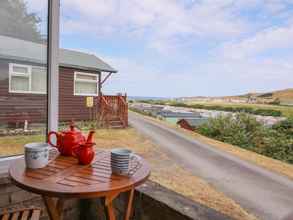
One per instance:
(39, 79)
(85, 88)
(85, 84)
(23, 98)
(20, 83)
(19, 69)
(86, 77)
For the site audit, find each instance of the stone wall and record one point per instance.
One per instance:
(151, 202)
(12, 197)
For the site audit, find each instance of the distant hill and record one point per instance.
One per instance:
(137, 98)
(286, 94)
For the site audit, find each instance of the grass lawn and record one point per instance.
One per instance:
(287, 111)
(13, 145)
(164, 170)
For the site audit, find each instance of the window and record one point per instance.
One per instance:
(27, 79)
(85, 84)
(24, 38)
(39, 79)
(19, 78)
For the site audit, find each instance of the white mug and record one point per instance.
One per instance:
(36, 155)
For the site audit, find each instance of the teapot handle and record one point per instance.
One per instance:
(49, 138)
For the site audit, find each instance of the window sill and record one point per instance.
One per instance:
(93, 95)
(28, 92)
(5, 163)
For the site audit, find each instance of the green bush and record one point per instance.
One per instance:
(244, 131)
(285, 127)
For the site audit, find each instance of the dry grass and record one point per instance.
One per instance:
(169, 174)
(263, 161)
(13, 145)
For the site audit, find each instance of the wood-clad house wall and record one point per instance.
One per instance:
(17, 107)
(72, 107)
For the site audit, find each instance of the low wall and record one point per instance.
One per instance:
(151, 202)
(12, 197)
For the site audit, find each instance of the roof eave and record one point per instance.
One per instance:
(87, 68)
(22, 59)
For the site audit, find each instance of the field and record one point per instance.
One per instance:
(287, 111)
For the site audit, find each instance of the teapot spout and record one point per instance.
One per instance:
(90, 137)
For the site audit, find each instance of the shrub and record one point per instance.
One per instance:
(244, 131)
(285, 127)
(278, 146)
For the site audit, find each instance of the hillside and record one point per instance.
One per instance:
(286, 94)
(282, 96)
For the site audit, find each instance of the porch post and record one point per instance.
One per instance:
(53, 64)
(100, 83)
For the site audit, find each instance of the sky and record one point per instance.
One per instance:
(173, 48)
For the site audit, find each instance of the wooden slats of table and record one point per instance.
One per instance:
(64, 177)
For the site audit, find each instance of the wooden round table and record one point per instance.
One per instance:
(63, 178)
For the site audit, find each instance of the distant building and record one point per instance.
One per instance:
(171, 114)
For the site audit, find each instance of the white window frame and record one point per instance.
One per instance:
(96, 81)
(28, 74)
(53, 75)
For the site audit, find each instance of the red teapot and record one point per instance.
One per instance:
(67, 140)
(85, 152)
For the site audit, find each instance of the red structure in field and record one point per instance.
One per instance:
(184, 123)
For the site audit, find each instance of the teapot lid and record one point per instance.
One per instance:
(72, 129)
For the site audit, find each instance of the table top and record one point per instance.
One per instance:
(64, 177)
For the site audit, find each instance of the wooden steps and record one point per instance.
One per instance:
(116, 123)
(113, 111)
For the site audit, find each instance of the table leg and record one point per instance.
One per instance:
(108, 202)
(110, 212)
(129, 205)
(54, 208)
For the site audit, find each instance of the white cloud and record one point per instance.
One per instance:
(215, 77)
(161, 20)
(271, 38)
(234, 38)
(132, 77)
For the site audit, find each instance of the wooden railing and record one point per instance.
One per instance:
(123, 110)
(103, 112)
(113, 108)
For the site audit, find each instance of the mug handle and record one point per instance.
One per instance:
(49, 138)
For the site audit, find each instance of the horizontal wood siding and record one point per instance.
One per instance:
(72, 107)
(16, 107)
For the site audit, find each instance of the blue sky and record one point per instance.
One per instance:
(185, 47)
